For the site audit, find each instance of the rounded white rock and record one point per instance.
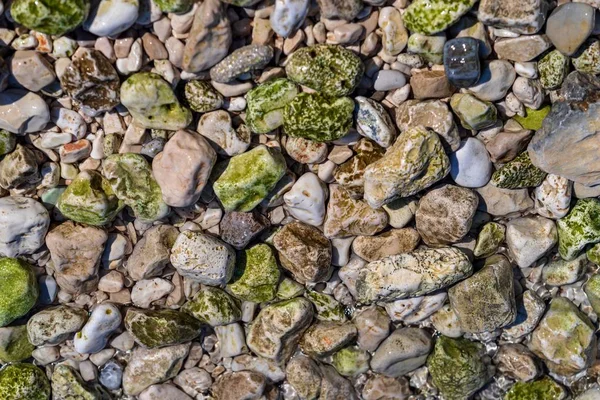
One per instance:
(104, 320)
(23, 225)
(470, 165)
(112, 17)
(388, 80)
(306, 200)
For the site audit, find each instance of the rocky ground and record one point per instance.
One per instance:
(296, 200)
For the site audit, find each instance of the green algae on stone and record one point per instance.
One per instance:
(326, 68)
(593, 254)
(69, 385)
(214, 307)
(489, 239)
(315, 117)
(553, 69)
(474, 114)
(52, 17)
(533, 118)
(430, 48)
(564, 272)
(351, 361)
(23, 381)
(592, 291)
(328, 308)
(432, 16)
(518, 174)
(542, 389)
(8, 141)
(579, 228)
(266, 102)
(174, 6)
(152, 102)
(288, 289)
(457, 368)
(249, 177)
(256, 276)
(14, 344)
(201, 97)
(89, 199)
(160, 328)
(131, 179)
(18, 289)
(587, 59)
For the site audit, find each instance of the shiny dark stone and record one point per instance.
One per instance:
(461, 61)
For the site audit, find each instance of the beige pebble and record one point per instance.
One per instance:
(175, 49)
(154, 47)
(261, 32)
(292, 43)
(348, 33)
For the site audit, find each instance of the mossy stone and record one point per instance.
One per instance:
(256, 276)
(533, 118)
(131, 180)
(593, 254)
(18, 289)
(328, 308)
(89, 199)
(152, 329)
(592, 291)
(23, 382)
(174, 6)
(579, 228)
(553, 69)
(213, 306)
(315, 117)
(67, 384)
(489, 239)
(52, 17)
(432, 16)
(351, 361)
(8, 141)
(249, 177)
(542, 389)
(202, 97)
(14, 344)
(474, 114)
(519, 173)
(266, 102)
(288, 289)
(326, 68)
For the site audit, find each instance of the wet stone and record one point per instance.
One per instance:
(241, 61)
(461, 61)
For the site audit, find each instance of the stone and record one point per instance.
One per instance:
(76, 251)
(380, 387)
(446, 322)
(209, 39)
(544, 388)
(551, 147)
(328, 308)
(151, 101)
(340, 9)
(592, 291)
(403, 171)
(216, 126)
(489, 239)
(152, 329)
(516, 361)
(373, 122)
(288, 16)
(473, 113)
(104, 320)
(411, 274)
(67, 383)
(526, 17)
(304, 376)
(31, 70)
(111, 375)
(203, 258)
(24, 381)
(183, 167)
(306, 199)
(497, 77)
(285, 323)
(394, 34)
(240, 385)
(146, 291)
(239, 229)
(18, 168)
(508, 144)
(231, 339)
(373, 326)
(390, 243)
(256, 276)
(324, 338)
(240, 61)
(432, 114)
(518, 174)
(417, 309)
(461, 61)
(147, 367)
(486, 300)
(553, 68)
(456, 367)
(434, 84)
(8, 141)
(174, 6)
(91, 80)
(329, 69)
(23, 225)
(405, 350)
(351, 361)
(192, 380)
(315, 117)
(432, 16)
(560, 272)
(111, 17)
(50, 17)
(564, 338)
(22, 111)
(350, 174)
(18, 289)
(266, 103)
(389, 79)
(569, 26)
(213, 306)
(152, 252)
(201, 97)
(553, 197)
(470, 165)
(587, 58)
(349, 217)
(54, 325)
(579, 228)
(14, 345)
(523, 48)
(530, 309)
(529, 238)
(500, 202)
(429, 48)
(445, 215)
(240, 188)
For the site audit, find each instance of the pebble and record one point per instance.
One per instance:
(529, 238)
(104, 320)
(22, 111)
(405, 350)
(470, 165)
(146, 291)
(523, 48)
(386, 80)
(306, 199)
(497, 77)
(111, 375)
(395, 36)
(525, 17)
(461, 61)
(288, 16)
(569, 26)
(111, 17)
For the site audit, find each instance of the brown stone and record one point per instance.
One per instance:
(431, 85)
(390, 243)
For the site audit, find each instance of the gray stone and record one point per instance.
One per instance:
(519, 16)
(461, 61)
(570, 25)
(405, 350)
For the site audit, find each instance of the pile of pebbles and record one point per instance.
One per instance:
(296, 200)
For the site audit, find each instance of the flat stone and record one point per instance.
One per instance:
(523, 48)
(541, 388)
(325, 338)
(569, 26)
(497, 77)
(518, 174)
(390, 243)
(151, 253)
(500, 202)
(427, 84)
(158, 328)
(54, 325)
(526, 17)
(432, 114)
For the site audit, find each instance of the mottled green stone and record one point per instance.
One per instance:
(351, 361)
(457, 368)
(533, 118)
(249, 177)
(587, 59)
(315, 117)
(564, 272)
(14, 344)
(592, 291)
(543, 389)
(328, 308)
(23, 382)
(213, 306)
(202, 97)
(579, 228)
(518, 174)
(265, 104)
(432, 16)
(8, 141)
(130, 178)
(430, 48)
(89, 199)
(53, 17)
(256, 276)
(67, 384)
(327, 68)
(18, 289)
(593, 254)
(489, 239)
(288, 289)
(174, 6)
(553, 69)
(474, 114)
(160, 328)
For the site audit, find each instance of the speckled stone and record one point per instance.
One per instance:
(213, 306)
(67, 383)
(394, 34)
(533, 119)
(174, 6)
(461, 61)
(256, 275)
(158, 328)
(521, 16)
(432, 114)
(374, 122)
(489, 239)
(241, 61)
(429, 47)
(22, 381)
(553, 69)
(569, 25)
(587, 59)
(266, 102)
(8, 141)
(329, 69)
(544, 388)
(14, 344)
(340, 9)
(52, 17)
(579, 228)
(432, 16)
(518, 174)
(523, 48)
(202, 97)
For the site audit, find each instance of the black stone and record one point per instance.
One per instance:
(461, 61)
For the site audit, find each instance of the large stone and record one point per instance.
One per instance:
(523, 48)
(266, 102)
(486, 300)
(411, 274)
(497, 77)
(213, 306)
(374, 122)
(22, 111)
(529, 238)
(432, 16)
(151, 253)
(14, 344)
(569, 26)
(516, 361)
(19, 168)
(405, 350)
(256, 276)
(560, 272)
(568, 132)
(54, 325)
(500, 202)
(18, 289)
(530, 309)
(564, 338)
(544, 388)
(159, 328)
(553, 197)
(22, 381)
(241, 385)
(31, 70)
(518, 174)
(304, 376)
(52, 17)
(23, 225)
(579, 228)
(519, 16)
(111, 17)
